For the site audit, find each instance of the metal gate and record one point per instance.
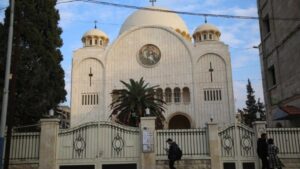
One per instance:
(238, 147)
(99, 144)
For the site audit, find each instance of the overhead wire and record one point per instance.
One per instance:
(177, 12)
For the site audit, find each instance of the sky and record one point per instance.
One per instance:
(241, 35)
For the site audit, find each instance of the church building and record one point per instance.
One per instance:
(193, 70)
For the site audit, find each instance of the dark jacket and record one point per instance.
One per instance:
(262, 148)
(172, 151)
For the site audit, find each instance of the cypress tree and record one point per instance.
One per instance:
(37, 84)
(251, 106)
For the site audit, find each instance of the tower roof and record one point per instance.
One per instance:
(94, 33)
(207, 27)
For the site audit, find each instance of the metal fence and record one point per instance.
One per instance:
(193, 142)
(25, 146)
(237, 140)
(287, 140)
(99, 140)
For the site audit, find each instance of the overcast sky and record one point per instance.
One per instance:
(240, 35)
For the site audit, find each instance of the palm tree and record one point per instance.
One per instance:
(131, 103)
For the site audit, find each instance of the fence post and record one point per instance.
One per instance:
(48, 143)
(259, 128)
(214, 145)
(148, 158)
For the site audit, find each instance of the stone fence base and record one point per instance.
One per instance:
(291, 163)
(185, 164)
(24, 166)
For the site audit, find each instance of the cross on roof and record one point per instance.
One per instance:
(152, 1)
(95, 24)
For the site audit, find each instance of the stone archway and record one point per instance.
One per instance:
(179, 122)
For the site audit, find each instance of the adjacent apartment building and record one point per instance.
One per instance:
(280, 60)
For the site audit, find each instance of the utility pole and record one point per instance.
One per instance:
(6, 82)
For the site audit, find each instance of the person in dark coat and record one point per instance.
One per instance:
(274, 161)
(171, 153)
(262, 150)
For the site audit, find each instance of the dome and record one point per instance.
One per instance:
(206, 32)
(95, 33)
(207, 27)
(150, 18)
(95, 37)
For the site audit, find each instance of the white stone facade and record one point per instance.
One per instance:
(202, 68)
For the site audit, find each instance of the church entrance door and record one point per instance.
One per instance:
(179, 122)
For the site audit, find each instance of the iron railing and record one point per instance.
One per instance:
(193, 142)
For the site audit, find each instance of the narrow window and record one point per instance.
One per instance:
(100, 42)
(177, 95)
(96, 41)
(82, 99)
(204, 95)
(210, 36)
(214, 93)
(186, 95)
(114, 95)
(159, 94)
(97, 99)
(220, 94)
(266, 23)
(85, 99)
(168, 95)
(91, 42)
(204, 36)
(94, 100)
(272, 76)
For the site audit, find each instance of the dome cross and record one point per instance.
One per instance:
(152, 2)
(95, 24)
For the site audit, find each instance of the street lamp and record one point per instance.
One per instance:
(6, 81)
(257, 114)
(147, 111)
(51, 112)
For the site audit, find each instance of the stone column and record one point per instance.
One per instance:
(148, 158)
(214, 145)
(48, 143)
(259, 128)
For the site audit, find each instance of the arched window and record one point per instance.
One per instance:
(204, 36)
(177, 95)
(151, 93)
(210, 36)
(168, 95)
(91, 42)
(159, 93)
(186, 95)
(96, 41)
(100, 42)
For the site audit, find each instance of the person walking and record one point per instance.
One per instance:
(262, 150)
(172, 153)
(274, 161)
